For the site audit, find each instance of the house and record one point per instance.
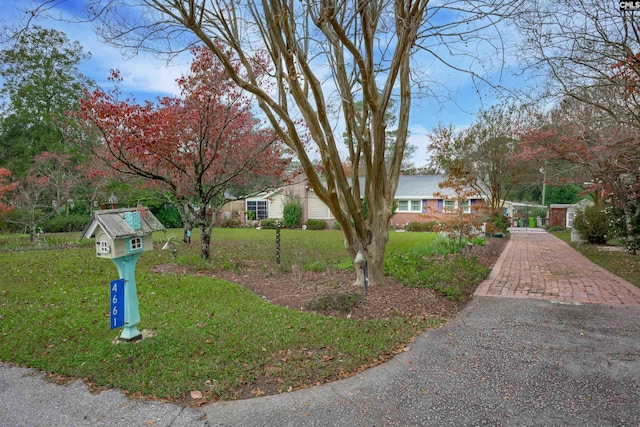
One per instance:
(562, 215)
(122, 232)
(415, 198)
(271, 204)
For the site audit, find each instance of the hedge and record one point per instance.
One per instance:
(316, 224)
(428, 226)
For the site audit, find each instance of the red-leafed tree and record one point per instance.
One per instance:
(195, 147)
(40, 194)
(6, 187)
(587, 144)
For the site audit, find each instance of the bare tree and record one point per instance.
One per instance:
(591, 51)
(330, 62)
(577, 45)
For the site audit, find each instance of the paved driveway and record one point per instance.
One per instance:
(539, 360)
(535, 264)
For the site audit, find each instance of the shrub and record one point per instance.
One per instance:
(428, 226)
(315, 266)
(292, 212)
(336, 302)
(316, 224)
(448, 276)
(557, 228)
(230, 223)
(169, 216)
(336, 225)
(269, 223)
(593, 224)
(498, 221)
(65, 223)
(478, 240)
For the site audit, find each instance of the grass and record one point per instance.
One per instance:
(210, 335)
(620, 263)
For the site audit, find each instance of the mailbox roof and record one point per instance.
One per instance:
(113, 223)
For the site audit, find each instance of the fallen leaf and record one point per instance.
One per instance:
(257, 392)
(150, 422)
(195, 394)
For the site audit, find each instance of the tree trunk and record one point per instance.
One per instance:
(371, 248)
(205, 233)
(375, 256)
(631, 237)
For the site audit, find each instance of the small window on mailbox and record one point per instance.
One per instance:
(136, 243)
(104, 247)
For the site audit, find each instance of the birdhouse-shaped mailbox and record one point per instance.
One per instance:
(122, 232)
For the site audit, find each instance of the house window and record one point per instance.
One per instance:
(135, 244)
(259, 207)
(104, 247)
(449, 206)
(409, 205)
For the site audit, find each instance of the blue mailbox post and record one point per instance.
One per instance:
(122, 235)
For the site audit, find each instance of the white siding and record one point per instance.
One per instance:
(276, 206)
(317, 209)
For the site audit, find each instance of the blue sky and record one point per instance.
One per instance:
(147, 77)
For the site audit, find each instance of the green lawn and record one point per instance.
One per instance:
(620, 263)
(210, 335)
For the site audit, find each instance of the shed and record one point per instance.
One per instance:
(562, 215)
(122, 232)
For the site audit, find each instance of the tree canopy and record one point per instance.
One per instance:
(326, 63)
(485, 152)
(42, 81)
(195, 147)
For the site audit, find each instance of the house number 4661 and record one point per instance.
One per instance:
(117, 303)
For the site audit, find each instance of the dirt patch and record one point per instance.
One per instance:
(297, 288)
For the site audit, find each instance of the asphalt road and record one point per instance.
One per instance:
(501, 362)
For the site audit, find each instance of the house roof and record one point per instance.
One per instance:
(580, 203)
(113, 222)
(420, 187)
(409, 187)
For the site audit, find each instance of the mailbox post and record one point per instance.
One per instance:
(122, 235)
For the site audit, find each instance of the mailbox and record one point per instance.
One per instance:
(122, 235)
(122, 232)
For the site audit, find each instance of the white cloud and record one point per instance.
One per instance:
(144, 76)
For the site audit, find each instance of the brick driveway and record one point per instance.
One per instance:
(536, 264)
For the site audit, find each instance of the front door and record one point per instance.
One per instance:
(557, 218)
